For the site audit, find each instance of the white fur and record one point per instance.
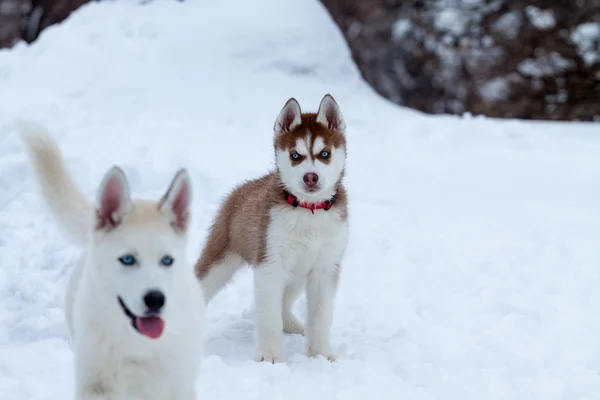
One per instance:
(319, 144)
(220, 275)
(305, 250)
(292, 176)
(112, 360)
(77, 212)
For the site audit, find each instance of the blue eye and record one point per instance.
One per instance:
(128, 260)
(324, 154)
(167, 261)
(295, 156)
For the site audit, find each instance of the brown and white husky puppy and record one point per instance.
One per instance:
(291, 225)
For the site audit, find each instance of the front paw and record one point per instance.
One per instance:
(291, 325)
(321, 350)
(269, 356)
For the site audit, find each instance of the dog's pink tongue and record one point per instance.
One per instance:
(150, 326)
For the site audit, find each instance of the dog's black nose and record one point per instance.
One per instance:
(154, 300)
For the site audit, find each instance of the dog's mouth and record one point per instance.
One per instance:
(312, 190)
(151, 326)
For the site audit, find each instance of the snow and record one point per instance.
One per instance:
(401, 28)
(494, 89)
(452, 20)
(508, 24)
(587, 39)
(472, 269)
(545, 65)
(541, 19)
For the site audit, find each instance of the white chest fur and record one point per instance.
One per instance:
(302, 241)
(302, 249)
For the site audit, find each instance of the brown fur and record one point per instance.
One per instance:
(241, 224)
(332, 138)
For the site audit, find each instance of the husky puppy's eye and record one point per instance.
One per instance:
(167, 261)
(325, 153)
(295, 156)
(128, 260)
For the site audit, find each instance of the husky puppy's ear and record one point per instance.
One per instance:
(289, 117)
(329, 114)
(176, 201)
(113, 199)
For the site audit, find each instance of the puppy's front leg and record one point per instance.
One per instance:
(320, 292)
(92, 381)
(269, 283)
(189, 394)
(91, 396)
(94, 392)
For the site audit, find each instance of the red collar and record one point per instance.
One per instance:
(324, 205)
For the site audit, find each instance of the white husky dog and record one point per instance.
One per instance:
(134, 308)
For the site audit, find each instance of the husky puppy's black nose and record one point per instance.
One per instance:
(154, 300)
(311, 179)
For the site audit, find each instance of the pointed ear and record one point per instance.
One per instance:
(289, 117)
(329, 114)
(176, 202)
(113, 199)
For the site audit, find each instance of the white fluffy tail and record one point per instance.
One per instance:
(73, 211)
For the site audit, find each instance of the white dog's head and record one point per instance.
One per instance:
(310, 150)
(139, 247)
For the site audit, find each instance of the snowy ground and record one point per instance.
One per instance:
(473, 270)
